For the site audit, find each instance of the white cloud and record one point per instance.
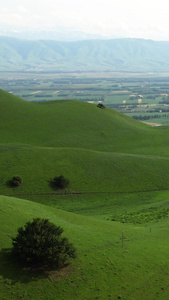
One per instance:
(142, 18)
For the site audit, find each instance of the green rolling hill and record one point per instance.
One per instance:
(118, 170)
(99, 150)
(75, 124)
(104, 269)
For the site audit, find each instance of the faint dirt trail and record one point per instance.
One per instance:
(80, 193)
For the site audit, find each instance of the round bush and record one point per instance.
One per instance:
(60, 182)
(40, 242)
(16, 181)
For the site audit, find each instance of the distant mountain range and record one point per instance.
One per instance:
(60, 34)
(122, 55)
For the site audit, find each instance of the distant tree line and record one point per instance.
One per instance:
(151, 97)
(148, 117)
(42, 96)
(165, 100)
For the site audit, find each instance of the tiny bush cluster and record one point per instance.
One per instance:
(142, 216)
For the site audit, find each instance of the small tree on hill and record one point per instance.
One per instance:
(60, 182)
(100, 105)
(16, 181)
(40, 242)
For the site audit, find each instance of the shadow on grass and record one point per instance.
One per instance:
(52, 185)
(9, 183)
(11, 270)
(12, 184)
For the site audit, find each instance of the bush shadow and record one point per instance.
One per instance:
(11, 270)
(53, 185)
(10, 184)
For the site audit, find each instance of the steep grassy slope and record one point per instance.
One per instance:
(103, 270)
(77, 125)
(66, 124)
(98, 150)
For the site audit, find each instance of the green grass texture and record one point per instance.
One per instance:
(115, 210)
(115, 260)
(98, 150)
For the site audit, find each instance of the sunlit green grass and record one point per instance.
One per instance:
(87, 170)
(105, 268)
(98, 150)
(116, 166)
(76, 124)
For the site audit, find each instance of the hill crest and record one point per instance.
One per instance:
(65, 124)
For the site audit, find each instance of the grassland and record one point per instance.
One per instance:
(106, 268)
(115, 211)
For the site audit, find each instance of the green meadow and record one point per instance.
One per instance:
(115, 211)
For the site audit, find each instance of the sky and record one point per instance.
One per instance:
(148, 19)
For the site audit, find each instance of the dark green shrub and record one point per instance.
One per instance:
(16, 181)
(40, 242)
(100, 105)
(60, 182)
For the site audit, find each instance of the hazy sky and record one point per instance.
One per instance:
(118, 18)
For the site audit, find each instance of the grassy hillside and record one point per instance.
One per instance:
(115, 210)
(77, 125)
(103, 270)
(136, 55)
(57, 124)
(88, 171)
(98, 150)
